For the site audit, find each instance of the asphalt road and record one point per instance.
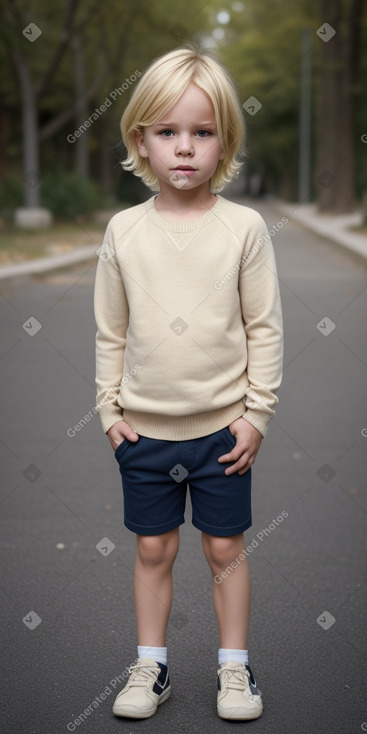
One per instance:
(67, 618)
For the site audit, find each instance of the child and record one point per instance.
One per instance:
(188, 360)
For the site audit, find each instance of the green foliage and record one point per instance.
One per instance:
(11, 196)
(67, 194)
(11, 191)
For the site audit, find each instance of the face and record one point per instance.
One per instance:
(183, 146)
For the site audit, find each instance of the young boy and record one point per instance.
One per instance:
(188, 361)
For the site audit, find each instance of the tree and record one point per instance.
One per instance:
(261, 45)
(30, 90)
(80, 56)
(339, 58)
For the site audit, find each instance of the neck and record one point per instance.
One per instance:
(184, 202)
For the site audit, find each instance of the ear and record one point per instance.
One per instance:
(221, 155)
(139, 139)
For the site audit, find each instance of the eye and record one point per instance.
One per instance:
(166, 133)
(203, 133)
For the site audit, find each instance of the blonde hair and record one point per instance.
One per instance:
(160, 88)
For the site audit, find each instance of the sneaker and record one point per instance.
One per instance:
(147, 687)
(238, 696)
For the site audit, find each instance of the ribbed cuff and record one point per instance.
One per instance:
(109, 415)
(258, 420)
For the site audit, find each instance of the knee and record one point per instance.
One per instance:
(155, 550)
(220, 552)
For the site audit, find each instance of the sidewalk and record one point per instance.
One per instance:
(52, 262)
(334, 228)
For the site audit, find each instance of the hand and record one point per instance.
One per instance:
(248, 441)
(118, 432)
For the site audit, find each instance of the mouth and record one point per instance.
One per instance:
(184, 168)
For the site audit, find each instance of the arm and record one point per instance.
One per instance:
(111, 312)
(262, 316)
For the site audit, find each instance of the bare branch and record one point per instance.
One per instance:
(58, 122)
(65, 35)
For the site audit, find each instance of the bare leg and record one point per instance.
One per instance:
(155, 556)
(232, 596)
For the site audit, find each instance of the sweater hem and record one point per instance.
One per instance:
(183, 427)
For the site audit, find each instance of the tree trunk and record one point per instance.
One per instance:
(335, 175)
(105, 159)
(30, 133)
(5, 128)
(81, 144)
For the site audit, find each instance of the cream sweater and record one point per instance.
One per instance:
(189, 322)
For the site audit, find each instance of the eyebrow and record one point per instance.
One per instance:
(196, 124)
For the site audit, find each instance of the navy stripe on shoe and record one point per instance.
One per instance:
(162, 681)
(252, 682)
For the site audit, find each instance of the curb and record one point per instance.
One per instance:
(44, 264)
(333, 228)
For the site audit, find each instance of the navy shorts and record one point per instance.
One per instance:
(155, 475)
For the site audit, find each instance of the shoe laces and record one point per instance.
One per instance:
(236, 678)
(142, 673)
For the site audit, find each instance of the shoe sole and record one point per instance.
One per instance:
(234, 716)
(134, 713)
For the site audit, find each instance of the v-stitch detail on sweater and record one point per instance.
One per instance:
(182, 247)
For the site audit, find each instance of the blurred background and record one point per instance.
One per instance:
(67, 71)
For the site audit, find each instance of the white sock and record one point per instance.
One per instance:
(226, 655)
(159, 654)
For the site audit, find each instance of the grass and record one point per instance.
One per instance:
(17, 245)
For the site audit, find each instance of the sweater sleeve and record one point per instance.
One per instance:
(111, 312)
(262, 315)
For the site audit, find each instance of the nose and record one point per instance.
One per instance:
(184, 145)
